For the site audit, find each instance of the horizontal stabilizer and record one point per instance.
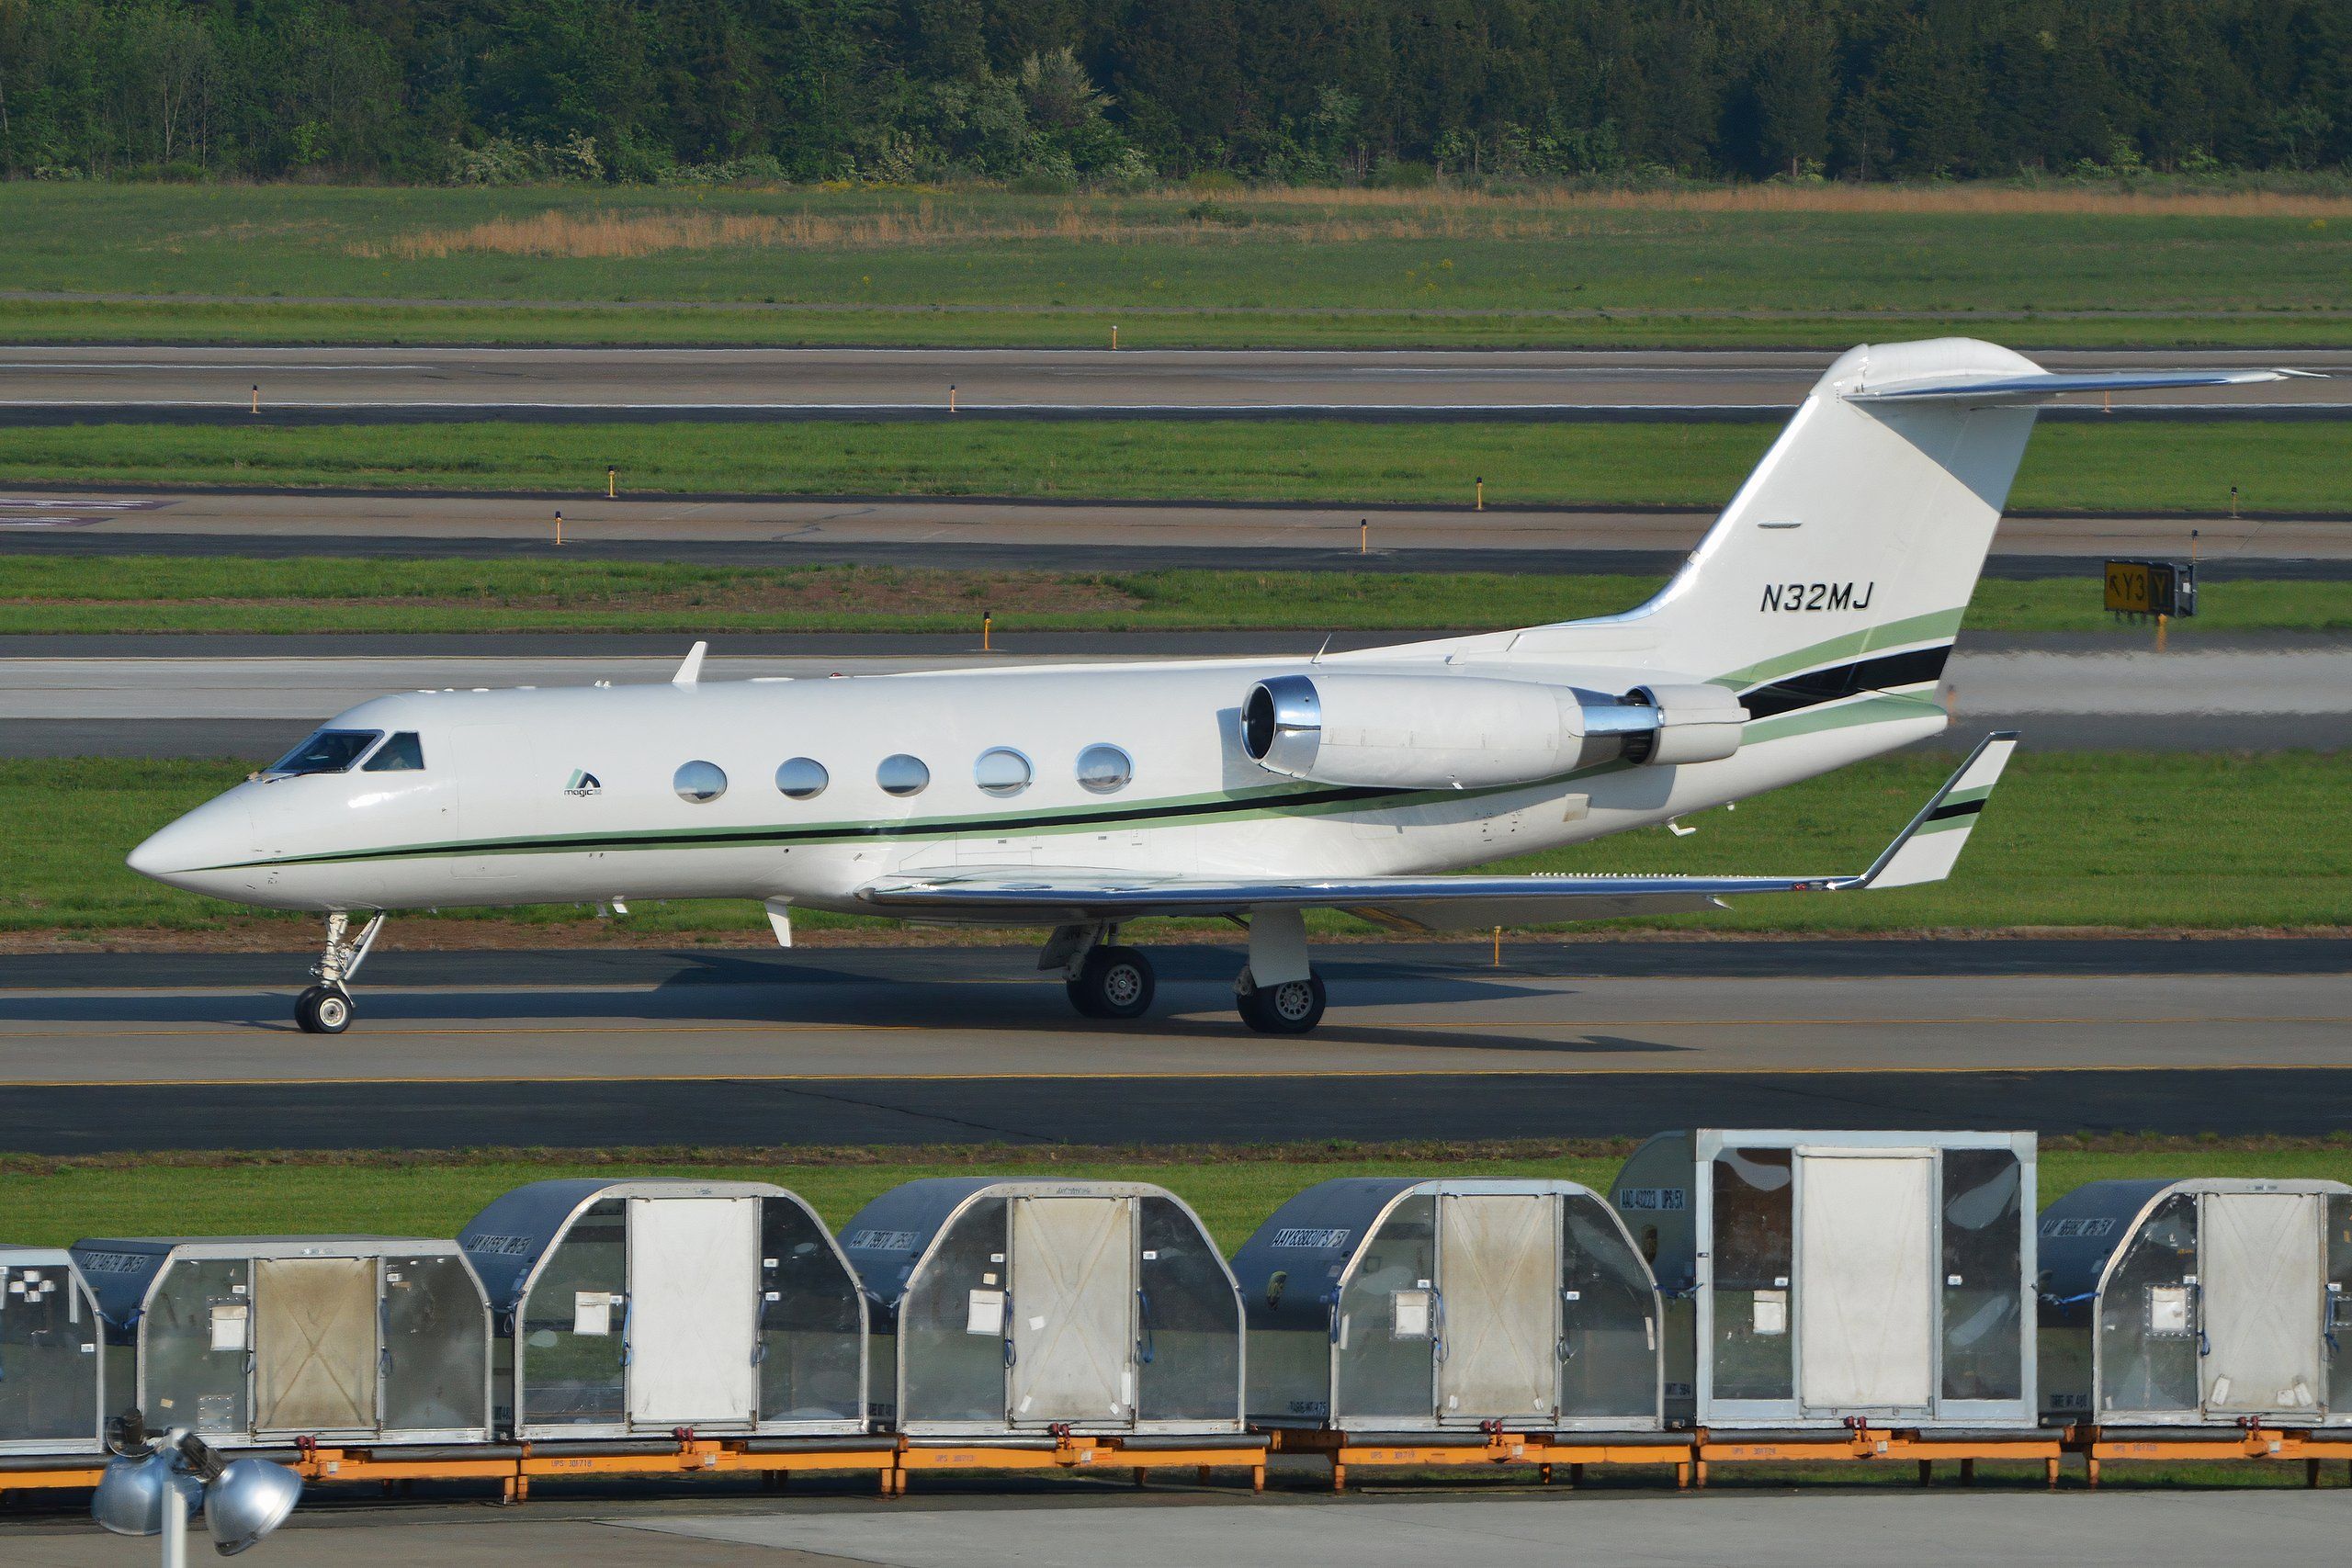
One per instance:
(1995, 391)
(1923, 852)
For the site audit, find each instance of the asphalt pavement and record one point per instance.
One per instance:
(53, 384)
(255, 696)
(1077, 534)
(1078, 1521)
(849, 1046)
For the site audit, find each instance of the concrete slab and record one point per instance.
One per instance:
(1927, 1529)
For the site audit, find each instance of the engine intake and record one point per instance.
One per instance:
(1462, 732)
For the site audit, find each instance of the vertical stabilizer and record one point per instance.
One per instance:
(1860, 537)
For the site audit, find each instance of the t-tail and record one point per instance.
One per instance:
(1848, 558)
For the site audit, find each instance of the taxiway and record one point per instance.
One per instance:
(843, 1046)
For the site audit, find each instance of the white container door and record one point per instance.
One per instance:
(1865, 1280)
(2259, 1274)
(1498, 1279)
(694, 1288)
(1073, 1300)
(314, 1345)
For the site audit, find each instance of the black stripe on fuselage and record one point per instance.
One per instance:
(1817, 686)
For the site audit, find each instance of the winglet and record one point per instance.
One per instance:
(1925, 850)
(1992, 391)
(690, 673)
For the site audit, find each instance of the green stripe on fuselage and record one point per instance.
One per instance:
(1852, 645)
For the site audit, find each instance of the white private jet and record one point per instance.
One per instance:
(1808, 629)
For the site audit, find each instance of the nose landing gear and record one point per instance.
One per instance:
(325, 1007)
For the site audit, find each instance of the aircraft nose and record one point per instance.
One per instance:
(180, 852)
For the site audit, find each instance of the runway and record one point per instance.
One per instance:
(1057, 535)
(961, 1045)
(255, 696)
(368, 384)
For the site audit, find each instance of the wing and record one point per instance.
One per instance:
(1923, 852)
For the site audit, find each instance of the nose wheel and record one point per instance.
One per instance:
(1293, 1007)
(1114, 982)
(323, 1009)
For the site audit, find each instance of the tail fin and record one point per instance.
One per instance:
(1854, 547)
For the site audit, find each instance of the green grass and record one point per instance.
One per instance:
(1233, 1190)
(2131, 841)
(171, 593)
(1298, 267)
(2098, 467)
(422, 324)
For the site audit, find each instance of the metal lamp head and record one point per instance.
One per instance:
(135, 1490)
(250, 1499)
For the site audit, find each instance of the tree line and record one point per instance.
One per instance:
(1056, 91)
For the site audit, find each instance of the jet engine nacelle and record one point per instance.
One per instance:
(1464, 732)
(1686, 724)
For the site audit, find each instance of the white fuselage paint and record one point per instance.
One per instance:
(491, 820)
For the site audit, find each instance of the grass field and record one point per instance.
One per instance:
(2109, 468)
(2067, 842)
(146, 595)
(55, 1202)
(1238, 268)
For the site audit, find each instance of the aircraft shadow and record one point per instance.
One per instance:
(1188, 1012)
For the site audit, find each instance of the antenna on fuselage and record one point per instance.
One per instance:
(690, 673)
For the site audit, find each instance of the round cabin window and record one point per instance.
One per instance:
(902, 775)
(803, 778)
(1003, 771)
(1104, 769)
(700, 783)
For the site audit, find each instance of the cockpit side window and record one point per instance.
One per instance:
(328, 751)
(403, 754)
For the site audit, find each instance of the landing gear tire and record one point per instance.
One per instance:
(1114, 982)
(1292, 1007)
(323, 1009)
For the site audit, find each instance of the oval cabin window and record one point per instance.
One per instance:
(803, 778)
(1104, 769)
(700, 783)
(1001, 771)
(902, 775)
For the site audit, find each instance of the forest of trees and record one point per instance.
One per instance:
(1048, 93)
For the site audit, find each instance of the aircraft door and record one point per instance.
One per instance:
(1498, 1270)
(1073, 1305)
(2260, 1280)
(1865, 1280)
(482, 810)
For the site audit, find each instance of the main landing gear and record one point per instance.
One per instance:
(325, 1007)
(1108, 981)
(1113, 982)
(1292, 1007)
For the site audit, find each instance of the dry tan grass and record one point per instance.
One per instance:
(1318, 216)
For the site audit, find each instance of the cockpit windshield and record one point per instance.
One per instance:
(328, 751)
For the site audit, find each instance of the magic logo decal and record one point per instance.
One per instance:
(583, 784)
